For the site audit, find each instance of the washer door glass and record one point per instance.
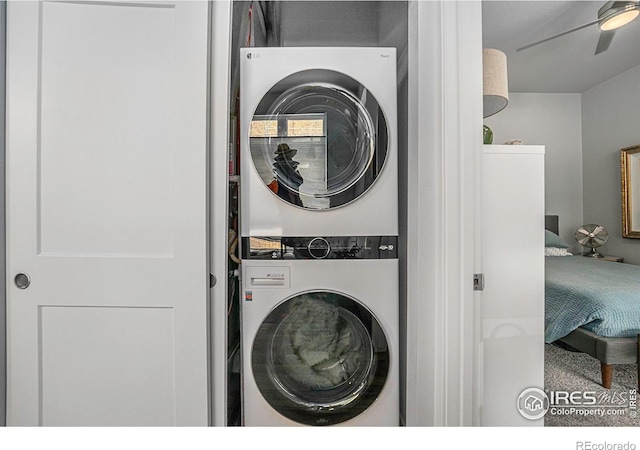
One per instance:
(318, 139)
(320, 358)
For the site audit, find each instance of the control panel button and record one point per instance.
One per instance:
(319, 248)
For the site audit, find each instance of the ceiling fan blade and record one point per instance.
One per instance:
(605, 39)
(558, 35)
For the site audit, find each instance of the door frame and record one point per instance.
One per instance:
(3, 262)
(219, 82)
(442, 213)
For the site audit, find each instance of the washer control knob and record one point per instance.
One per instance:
(319, 248)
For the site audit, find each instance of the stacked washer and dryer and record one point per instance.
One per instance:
(319, 226)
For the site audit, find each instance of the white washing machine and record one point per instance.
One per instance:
(320, 339)
(318, 137)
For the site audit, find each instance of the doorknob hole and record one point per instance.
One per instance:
(22, 280)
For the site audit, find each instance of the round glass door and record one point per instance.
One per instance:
(320, 358)
(318, 139)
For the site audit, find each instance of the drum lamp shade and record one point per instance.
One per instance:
(495, 86)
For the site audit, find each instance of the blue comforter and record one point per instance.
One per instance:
(601, 296)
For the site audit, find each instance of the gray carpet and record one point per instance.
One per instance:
(574, 371)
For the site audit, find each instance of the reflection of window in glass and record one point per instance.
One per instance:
(263, 128)
(263, 244)
(305, 127)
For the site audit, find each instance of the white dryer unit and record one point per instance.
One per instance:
(318, 137)
(320, 339)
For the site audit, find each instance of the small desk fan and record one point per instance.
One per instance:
(592, 236)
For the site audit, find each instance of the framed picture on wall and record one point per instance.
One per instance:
(630, 181)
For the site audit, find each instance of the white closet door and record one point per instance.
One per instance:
(107, 213)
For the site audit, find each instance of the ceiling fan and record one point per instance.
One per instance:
(611, 16)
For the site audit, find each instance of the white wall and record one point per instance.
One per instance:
(343, 23)
(611, 121)
(552, 120)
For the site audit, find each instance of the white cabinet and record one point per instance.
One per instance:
(512, 309)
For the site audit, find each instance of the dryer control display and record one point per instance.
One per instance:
(321, 247)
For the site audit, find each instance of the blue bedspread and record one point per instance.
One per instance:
(601, 296)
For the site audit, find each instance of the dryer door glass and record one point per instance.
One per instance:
(318, 139)
(320, 358)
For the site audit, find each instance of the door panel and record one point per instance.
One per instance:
(101, 126)
(107, 213)
(84, 350)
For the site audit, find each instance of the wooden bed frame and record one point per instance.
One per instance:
(609, 351)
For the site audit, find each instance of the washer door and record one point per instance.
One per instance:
(318, 139)
(320, 358)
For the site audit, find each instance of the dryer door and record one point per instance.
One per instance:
(320, 358)
(318, 139)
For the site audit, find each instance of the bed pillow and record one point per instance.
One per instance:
(553, 240)
(555, 251)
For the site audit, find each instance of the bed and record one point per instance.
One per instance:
(592, 306)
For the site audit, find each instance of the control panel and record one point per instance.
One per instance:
(320, 247)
